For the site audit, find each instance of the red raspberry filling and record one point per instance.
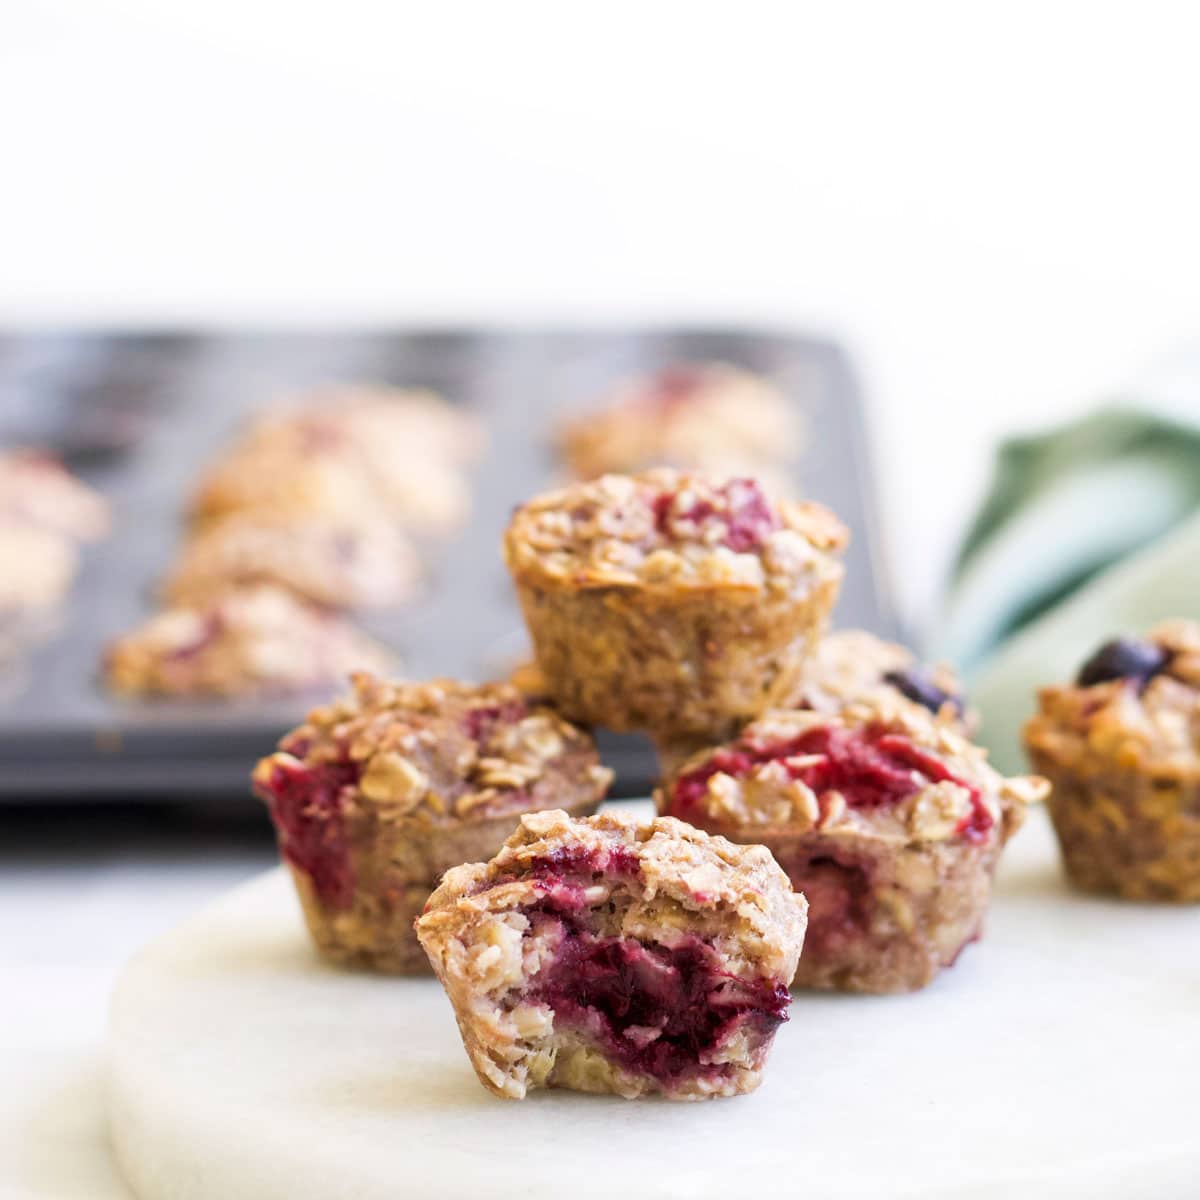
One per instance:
(307, 805)
(580, 860)
(561, 875)
(744, 510)
(871, 768)
(840, 899)
(481, 722)
(654, 1010)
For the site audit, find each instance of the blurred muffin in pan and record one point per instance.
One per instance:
(258, 640)
(330, 561)
(347, 450)
(709, 417)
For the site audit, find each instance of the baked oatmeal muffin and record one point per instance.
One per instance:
(365, 563)
(37, 568)
(669, 604)
(345, 451)
(375, 796)
(710, 417)
(37, 490)
(250, 641)
(1121, 747)
(607, 956)
(855, 665)
(890, 822)
(45, 513)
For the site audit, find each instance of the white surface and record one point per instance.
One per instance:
(75, 903)
(1057, 1059)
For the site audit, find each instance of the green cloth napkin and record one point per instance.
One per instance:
(1089, 531)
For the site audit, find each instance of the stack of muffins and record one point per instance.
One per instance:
(819, 792)
(694, 612)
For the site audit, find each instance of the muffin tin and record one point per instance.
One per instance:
(139, 415)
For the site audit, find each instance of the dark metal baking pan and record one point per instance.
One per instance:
(139, 415)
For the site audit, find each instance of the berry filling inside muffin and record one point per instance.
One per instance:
(840, 894)
(658, 1010)
(870, 767)
(605, 956)
(482, 720)
(382, 792)
(663, 1013)
(308, 800)
(307, 803)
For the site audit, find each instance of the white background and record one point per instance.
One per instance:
(994, 205)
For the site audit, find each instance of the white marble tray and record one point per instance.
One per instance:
(1059, 1058)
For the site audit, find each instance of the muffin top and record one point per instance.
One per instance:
(687, 415)
(443, 750)
(878, 768)
(1134, 704)
(671, 529)
(855, 665)
(681, 876)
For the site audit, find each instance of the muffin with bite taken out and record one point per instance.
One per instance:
(608, 955)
